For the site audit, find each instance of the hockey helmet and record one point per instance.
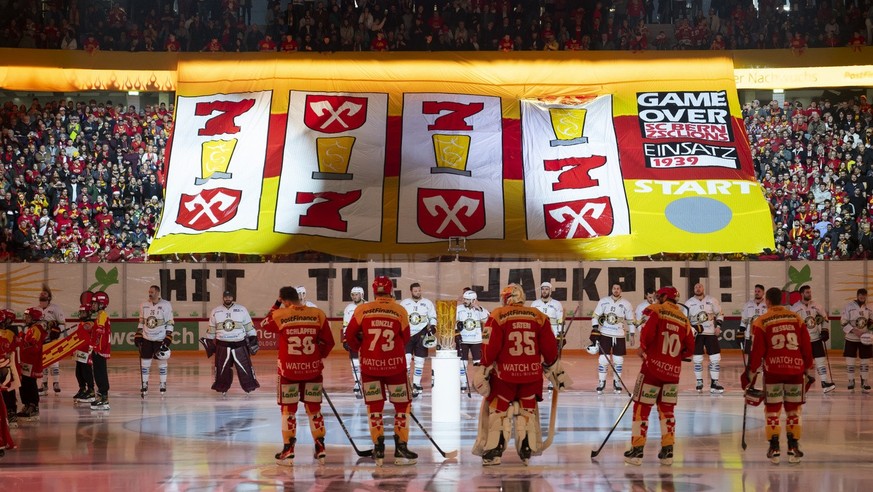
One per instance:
(470, 295)
(163, 353)
(593, 349)
(754, 397)
(382, 285)
(85, 311)
(301, 291)
(85, 298)
(429, 341)
(101, 299)
(357, 290)
(546, 285)
(867, 338)
(34, 313)
(668, 291)
(6, 317)
(512, 294)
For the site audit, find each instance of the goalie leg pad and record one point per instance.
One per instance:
(223, 369)
(244, 370)
(482, 429)
(527, 425)
(496, 422)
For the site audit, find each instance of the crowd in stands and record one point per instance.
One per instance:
(400, 25)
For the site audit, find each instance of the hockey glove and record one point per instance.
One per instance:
(277, 304)
(54, 330)
(745, 380)
(168, 340)
(556, 375)
(825, 335)
(698, 329)
(595, 334)
(208, 345)
(809, 381)
(459, 326)
(479, 379)
(253, 344)
(346, 346)
(137, 340)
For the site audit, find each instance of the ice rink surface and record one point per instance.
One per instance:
(194, 439)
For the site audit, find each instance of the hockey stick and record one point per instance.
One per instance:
(594, 453)
(467, 377)
(364, 453)
(614, 372)
(746, 407)
(357, 380)
(449, 456)
(553, 412)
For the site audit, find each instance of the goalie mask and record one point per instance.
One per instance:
(512, 294)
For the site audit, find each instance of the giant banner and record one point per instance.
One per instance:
(609, 157)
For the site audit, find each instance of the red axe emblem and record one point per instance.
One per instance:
(334, 114)
(208, 208)
(579, 219)
(448, 213)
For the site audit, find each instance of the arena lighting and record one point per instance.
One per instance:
(132, 93)
(778, 91)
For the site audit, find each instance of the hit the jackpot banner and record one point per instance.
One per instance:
(394, 153)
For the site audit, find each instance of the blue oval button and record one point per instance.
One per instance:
(698, 214)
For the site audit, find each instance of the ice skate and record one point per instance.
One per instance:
(286, 456)
(634, 456)
(666, 455)
(715, 388)
(402, 455)
(773, 452)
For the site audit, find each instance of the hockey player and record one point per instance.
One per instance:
(422, 327)
(32, 339)
(521, 346)
(665, 340)
(753, 308)
(357, 295)
(379, 330)
(611, 316)
(706, 318)
(301, 292)
(469, 319)
(552, 308)
(8, 358)
(154, 334)
(640, 316)
(856, 322)
(815, 318)
(101, 345)
(305, 340)
(780, 343)
(84, 371)
(55, 320)
(234, 340)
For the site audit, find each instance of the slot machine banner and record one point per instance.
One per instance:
(358, 155)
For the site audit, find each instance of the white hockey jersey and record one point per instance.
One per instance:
(704, 313)
(471, 319)
(640, 318)
(53, 312)
(855, 316)
(751, 310)
(348, 312)
(155, 320)
(814, 317)
(421, 314)
(231, 324)
(554, 310)
(612, 316)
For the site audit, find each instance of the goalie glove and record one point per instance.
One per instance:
(208, 345)
(556, 375)
(479, 376)
(253, 344)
